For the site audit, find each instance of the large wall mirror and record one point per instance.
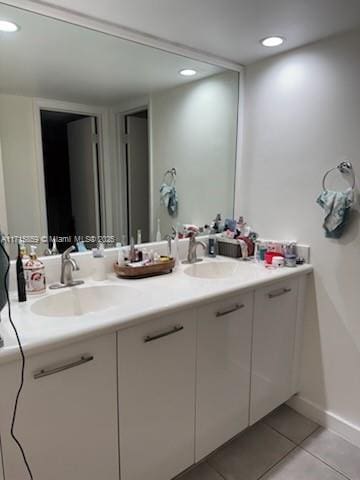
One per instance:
(101, 137)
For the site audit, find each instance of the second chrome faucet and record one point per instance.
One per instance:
(193, 244)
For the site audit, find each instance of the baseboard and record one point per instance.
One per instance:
(327, 419)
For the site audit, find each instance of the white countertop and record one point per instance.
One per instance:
(155, 296)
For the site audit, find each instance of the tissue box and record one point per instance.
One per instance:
(229, 248)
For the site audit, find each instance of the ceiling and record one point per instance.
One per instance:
(52, 59)
(227, 28)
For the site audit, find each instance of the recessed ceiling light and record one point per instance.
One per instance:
(273, 41)
(188, 72)
(8, 27)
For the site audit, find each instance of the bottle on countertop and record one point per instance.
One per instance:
(176, 245)
(20, 276)
(138, 237)
(99, 263)
(121, 257)
(54, 249)
(23, 252)
(145, 255)
(34, 272)
(216, 224)
(158, 233)
(212, 244)
(242, 227)
(132, 250)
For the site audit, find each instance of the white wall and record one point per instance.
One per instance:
(19, 165)
(302, 116)
(193, 128)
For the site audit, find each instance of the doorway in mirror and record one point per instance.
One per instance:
(71, 173)
(137, 175)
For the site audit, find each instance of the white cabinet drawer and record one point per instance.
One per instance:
(66, 418)
(275, 314)
(157, 397)
(223, 371)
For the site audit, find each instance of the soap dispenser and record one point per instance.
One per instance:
(34, 272)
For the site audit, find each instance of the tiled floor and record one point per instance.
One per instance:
(283, 446)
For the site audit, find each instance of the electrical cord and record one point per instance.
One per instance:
(22, 367)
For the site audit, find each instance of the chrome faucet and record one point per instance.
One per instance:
(68, 265)
(193, 244)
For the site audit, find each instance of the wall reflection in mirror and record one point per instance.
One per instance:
(102, 138)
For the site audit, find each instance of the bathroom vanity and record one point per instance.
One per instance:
(141, 379)
(151, 385)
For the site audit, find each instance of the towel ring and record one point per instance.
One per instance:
(343, 167)
(172, 173)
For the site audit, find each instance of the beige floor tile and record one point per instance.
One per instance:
(335, 451)
(294, 426)
(250, 454)
(300, 465)
(201, 472)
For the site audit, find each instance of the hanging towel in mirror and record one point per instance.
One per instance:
(336, 206)
(168, 196)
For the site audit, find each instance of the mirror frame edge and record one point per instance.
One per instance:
(122, 32)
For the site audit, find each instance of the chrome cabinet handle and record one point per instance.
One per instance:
(51, 371)
(278, 293)
(151, 338)
(236, 307)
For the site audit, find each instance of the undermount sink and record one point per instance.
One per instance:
(80, 301)
(212, 270)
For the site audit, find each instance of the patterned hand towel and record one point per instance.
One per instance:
(169, 198)
(336, 206)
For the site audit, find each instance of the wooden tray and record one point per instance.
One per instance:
(159, 268)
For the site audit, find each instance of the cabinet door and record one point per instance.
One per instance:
(67, 420)
(223, 371)
(157, 397)
(273, 347)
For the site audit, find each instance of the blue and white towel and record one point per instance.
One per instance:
(336, 206)
(169, 198)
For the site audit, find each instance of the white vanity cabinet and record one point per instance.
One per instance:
(66, 418)
(157, 397)
(275, 337)
(223, 371)
(161, 394)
